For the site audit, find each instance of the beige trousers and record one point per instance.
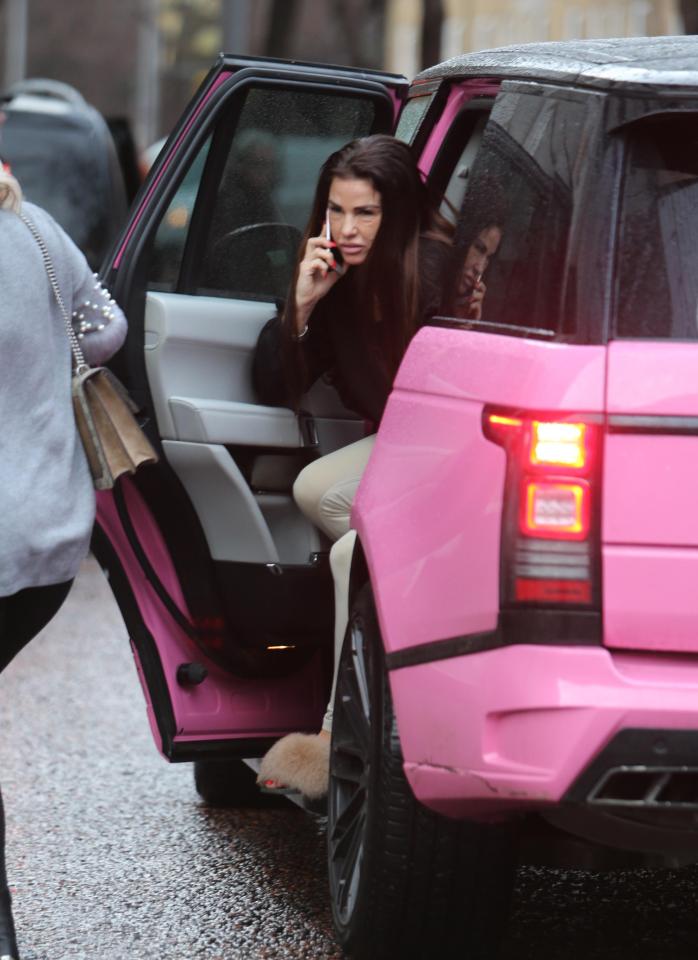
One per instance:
(324, 491)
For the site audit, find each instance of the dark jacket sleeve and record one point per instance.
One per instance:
(435, 257)
(280, 364)
(268, 375)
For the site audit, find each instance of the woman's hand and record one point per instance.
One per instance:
(475, 301)
(316, 277)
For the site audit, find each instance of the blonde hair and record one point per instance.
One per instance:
(10, 192)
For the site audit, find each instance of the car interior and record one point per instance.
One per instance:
(213, 283)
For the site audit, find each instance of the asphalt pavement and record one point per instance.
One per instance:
(112, 856)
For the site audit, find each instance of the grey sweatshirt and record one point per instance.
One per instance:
(47, 503)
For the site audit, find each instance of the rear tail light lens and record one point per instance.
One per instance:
(550, 538)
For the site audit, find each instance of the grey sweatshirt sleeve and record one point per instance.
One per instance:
(96, 317)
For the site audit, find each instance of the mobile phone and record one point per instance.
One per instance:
(336, 252)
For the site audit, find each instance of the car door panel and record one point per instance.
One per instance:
(229, 715)
(199, 347)
(256, 602)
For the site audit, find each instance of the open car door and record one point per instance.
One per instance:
(224, 586)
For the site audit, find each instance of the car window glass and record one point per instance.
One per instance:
(514, 223)
(168, 245)
(266, 186)
(411, 117)
(657, 292)
(458, 180)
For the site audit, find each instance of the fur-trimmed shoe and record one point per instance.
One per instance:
(300, 761)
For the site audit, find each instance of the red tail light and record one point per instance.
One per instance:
(559, 444)
(550, 523)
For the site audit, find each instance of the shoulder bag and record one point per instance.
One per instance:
(104, 412)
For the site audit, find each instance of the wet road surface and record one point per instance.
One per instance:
(112, 855)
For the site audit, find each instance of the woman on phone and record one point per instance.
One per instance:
(47, 502)
(368, 276)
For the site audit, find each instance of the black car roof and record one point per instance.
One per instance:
(637, 62)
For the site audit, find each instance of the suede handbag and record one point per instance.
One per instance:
(104, 412)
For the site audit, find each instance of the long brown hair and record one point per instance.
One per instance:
(387, 282)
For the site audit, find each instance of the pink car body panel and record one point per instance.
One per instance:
(514, 726)
(428, 510)
(229, 707)
(649, 533)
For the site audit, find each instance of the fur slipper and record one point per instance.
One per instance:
(300, 761)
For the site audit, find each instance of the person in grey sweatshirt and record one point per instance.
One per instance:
(47, 502)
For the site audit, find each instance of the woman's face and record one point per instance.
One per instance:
(355, 216)
(479, 254)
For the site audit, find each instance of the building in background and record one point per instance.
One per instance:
(141, 60)
(478, 24)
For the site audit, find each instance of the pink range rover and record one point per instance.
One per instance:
(520, 674)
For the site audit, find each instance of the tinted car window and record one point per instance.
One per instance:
(411, 117)
(260, 168)
(265, 191)
(657, 293)
(524, 182)
(168, 246)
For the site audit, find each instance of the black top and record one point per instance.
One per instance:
(634, 62)
(337, 345)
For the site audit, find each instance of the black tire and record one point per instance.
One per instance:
(404, 881)
(227, 783)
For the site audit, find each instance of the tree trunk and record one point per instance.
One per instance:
(282, 16)
(432, 21)
(689, 12)
(362, 29)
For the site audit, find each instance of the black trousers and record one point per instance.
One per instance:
(24, 614)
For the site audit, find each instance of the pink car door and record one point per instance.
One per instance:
(225, 589)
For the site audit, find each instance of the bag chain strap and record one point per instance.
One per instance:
(80, 364)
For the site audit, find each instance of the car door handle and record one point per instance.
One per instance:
(309, 430)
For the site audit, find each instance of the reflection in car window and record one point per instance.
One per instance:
(280, 141)
(168, 245)
(411, 117)
(524, 184)
(657, 294)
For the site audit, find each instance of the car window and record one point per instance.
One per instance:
(657, 289)
(469, 139)
(514, 224)
(238, 215)
(168, 245)
(411, 117)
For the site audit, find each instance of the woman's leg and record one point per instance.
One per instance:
(26, 613)
(340, 561)
(22, 616)
(325, 489)
(8, 940)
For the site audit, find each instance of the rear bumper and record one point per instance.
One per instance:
(514, 729)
